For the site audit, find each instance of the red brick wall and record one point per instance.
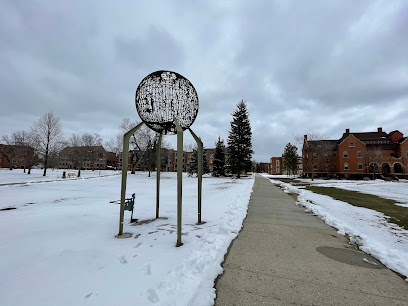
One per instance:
(352, 146)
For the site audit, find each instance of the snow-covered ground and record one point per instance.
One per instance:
(367, 228)
(17, 176)
(59, 247)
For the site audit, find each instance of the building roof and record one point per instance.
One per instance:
(323, 143)
(366, 136)
(373, 140)
(68, 150)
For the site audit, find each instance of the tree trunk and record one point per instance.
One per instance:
(45, 164)
(45, 160)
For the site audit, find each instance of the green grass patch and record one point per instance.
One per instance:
(397, 214)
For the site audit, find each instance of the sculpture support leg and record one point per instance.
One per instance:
(125, 154)
(199, 171)
(158, 166)
(179, 180)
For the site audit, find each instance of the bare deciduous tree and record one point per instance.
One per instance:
(22, 139)
(10, 152)
(373, 159)
(21, 148)
(90, 141)
(115, 144)
(84, 150)
(317, 151)
(47, 135)
(142, 145)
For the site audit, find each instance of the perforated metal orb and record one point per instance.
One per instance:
(163, 96)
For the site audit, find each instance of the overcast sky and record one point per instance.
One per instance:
(301, 66)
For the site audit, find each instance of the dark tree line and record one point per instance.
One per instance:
(44, 141)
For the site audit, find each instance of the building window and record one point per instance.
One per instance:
(277, 163)
(359, 154)
(392, 154)
(346, 166)
(345, 154)
(351, 145)
(360, 166)
(315, 166)
(314, 155)
(327, 166)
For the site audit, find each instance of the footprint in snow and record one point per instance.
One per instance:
(152, 296)
(88, 295)
(138, 245)
(122, 259)
(148, 269)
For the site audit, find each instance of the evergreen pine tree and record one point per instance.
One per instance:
(192, 163)
(239, 141)
(206, 169)
(290, 162)
(219, 159)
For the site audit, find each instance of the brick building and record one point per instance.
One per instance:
(357, 155)
(172, 160)
(111, 161)
(277, 166)
(16, 156)
(169, 160)
(264, 167)
(88, 157)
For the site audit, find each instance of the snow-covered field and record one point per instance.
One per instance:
(59, 247)
(17, 176)
(367, 228)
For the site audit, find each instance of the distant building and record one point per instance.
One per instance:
(16, 156)
(86, 157)
(169, 160)
(264, 167)
(111, 161)
(277, 166)
(172, 159)
(357, 155)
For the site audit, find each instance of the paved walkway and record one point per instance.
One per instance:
(284, 256)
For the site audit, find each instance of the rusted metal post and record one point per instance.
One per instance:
(125, 155)
(179, 180)
(158, 166)
(199, 171)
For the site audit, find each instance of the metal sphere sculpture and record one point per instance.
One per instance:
(163, 96)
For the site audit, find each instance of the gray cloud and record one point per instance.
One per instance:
(302, 67)
(157, 49)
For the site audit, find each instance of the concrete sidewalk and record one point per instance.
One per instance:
(284, 256)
